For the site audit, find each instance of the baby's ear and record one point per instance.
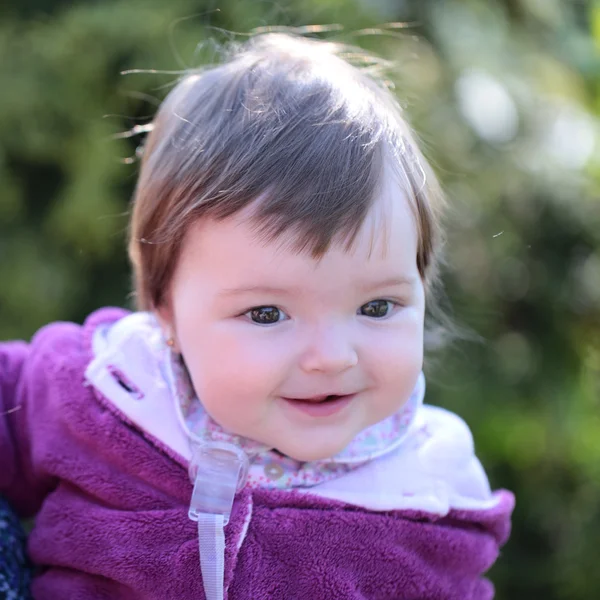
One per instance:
(164, 316)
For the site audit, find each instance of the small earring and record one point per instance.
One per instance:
(170, 342)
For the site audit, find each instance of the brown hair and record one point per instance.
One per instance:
(289, 120)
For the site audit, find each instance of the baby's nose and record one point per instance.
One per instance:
(330, 350)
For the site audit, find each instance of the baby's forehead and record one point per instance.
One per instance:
(228, 259)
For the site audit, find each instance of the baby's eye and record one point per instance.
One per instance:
(376, 309)
(266, 315)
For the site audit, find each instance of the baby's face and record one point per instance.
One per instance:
(267, 333)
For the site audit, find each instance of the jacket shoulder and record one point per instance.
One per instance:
(60, 338)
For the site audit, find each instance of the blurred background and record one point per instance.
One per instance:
(505, 96)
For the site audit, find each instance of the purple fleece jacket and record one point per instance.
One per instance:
(111, 507)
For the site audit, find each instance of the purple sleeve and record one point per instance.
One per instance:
(19, 482)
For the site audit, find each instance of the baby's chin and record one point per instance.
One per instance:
(304, 446)
(310, 452)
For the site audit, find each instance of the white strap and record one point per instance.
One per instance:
(212, 554)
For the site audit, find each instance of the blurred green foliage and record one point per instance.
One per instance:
(505, 97)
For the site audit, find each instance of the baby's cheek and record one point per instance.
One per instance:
(235, 375)
(395, 366)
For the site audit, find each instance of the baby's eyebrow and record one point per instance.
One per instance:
(294, 290)
(401, 280)
(257, 289)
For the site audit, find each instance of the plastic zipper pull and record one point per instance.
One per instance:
(218, 470)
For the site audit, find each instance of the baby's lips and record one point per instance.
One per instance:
(316, 399)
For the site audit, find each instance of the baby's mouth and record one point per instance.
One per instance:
(320, 406)
(316, 399)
